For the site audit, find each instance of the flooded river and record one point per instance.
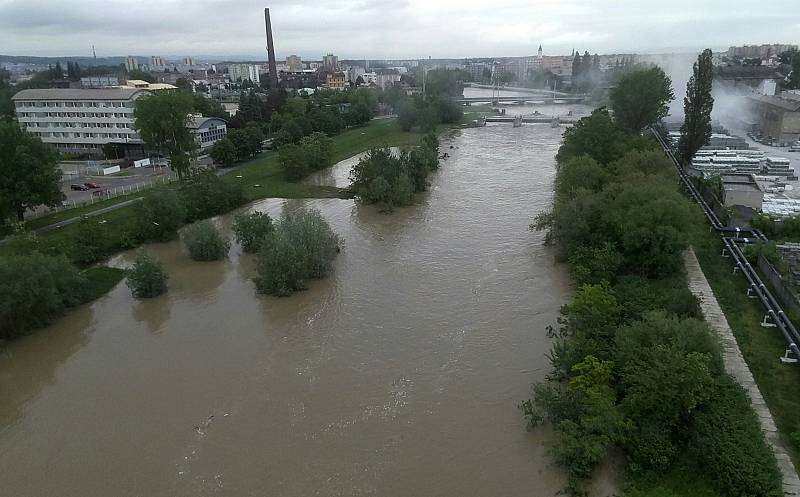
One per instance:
(398, 375)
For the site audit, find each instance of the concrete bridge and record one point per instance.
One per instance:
(535, 91)
(532, 119)
(533, 100)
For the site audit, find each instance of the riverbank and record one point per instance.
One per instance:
(638, 368)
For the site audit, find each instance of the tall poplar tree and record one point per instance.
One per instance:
(697, 107)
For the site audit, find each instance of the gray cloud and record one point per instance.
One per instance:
(387, 28)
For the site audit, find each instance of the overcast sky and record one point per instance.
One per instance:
(389, 28)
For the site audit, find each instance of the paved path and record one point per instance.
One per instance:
(736, 366)
(75, 219)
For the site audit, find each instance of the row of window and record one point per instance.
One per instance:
(78, 125)
(119, 115)
(64, 134)
(212, 135)
(73, 104)
(74, 146)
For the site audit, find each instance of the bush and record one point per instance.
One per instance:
(35, 289)
(728, 440)
(146, 278)
(302, 246)
(314, 152)
(86, 247)
(205, 195)
(204, 242)
(159, 215)
(251, 229)
(391, 180)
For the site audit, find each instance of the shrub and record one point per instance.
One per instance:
(204, 242)
(301, 247)
(159, 215)
(86, 243)
(391, 180)
(280, 268)
(146, 278)
(205, 194)
(251, 229)
(729, 442)
(35, 289)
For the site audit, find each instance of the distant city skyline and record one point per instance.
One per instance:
(383, 29)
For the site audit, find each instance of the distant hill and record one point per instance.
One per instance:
(84, 61)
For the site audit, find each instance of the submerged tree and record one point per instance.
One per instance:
(146, 278)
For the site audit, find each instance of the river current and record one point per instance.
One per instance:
(397, 375)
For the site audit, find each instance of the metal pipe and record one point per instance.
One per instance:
(774, 310)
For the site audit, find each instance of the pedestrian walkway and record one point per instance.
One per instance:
(736, 366)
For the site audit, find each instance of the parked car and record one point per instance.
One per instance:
(91, 185)
(80, 188)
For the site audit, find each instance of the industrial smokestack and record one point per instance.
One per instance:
(273, 69)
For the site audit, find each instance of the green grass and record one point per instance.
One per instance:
(56, 217)
(101, 280)
(122, 173)
(684, 479)
(761, 347)
(265, 170)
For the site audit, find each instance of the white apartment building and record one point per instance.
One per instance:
(81, 120)
(241, 72)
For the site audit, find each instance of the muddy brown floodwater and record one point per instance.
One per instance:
(398, 375)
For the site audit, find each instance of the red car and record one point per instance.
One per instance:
(93, 186)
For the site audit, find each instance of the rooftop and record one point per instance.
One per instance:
(199, 121)
(791, 104)
(77, 94)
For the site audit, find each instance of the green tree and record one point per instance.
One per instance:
(141, 75)
(204, 242)
(205, 194)
(29, 172)
(224, 152)
(251, 230)
(162, 120)
(697, 107)
(596, 136)
(146, 277)
(183, 84)
(35, 289)
(159, 215)
(576, 70)
(208, 107)
(793, 80)
(641, 98)
(302, 246)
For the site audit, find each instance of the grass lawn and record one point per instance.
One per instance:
(101, 280)
(55, 217)
(684, 479)
(779, 383)
(265, 171)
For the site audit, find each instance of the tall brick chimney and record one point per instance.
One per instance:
(273, 69)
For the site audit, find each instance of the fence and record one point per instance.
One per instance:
(101, 195)
(779, 285)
